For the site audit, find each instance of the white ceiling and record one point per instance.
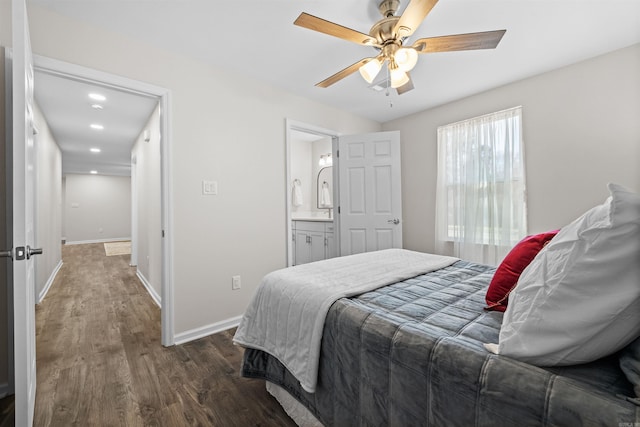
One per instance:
(67, 108)
(257, 38)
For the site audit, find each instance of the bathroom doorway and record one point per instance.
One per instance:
(311, 166)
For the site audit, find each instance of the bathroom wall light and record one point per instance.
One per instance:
(95, 150)
(325, 160)
(93, 172)
(96, 126)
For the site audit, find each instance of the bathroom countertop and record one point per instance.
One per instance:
(312, 218)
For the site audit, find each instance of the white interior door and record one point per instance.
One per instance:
(23, 218)
(370, 192)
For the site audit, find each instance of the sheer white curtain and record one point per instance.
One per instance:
(480, 201)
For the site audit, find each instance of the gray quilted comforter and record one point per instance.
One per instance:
(411, 354)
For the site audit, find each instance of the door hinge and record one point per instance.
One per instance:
(338, 153)
(162, 233)
(338, 210)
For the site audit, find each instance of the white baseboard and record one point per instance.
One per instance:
(45, 290)
(5, 390)
(154, 295)
(207, 330)
(84, 242)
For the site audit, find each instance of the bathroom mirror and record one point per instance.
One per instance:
(324, 190)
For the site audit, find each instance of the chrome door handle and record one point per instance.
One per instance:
(33, 251)
(394, 221)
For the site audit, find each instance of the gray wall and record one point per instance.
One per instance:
(48, 203)
(581, 130)
(224, 128)
(231, 129)
(147, 189)
(97, 208)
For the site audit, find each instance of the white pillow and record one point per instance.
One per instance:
(579, 299)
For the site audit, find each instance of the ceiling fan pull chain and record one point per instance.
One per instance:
(387, 90)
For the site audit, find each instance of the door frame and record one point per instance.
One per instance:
(163, 95)
(21, 175)
(7, 54)
(133, 261)
(293, 125)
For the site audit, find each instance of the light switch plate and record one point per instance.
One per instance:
(209, 188)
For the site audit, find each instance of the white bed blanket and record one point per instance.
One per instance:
(286, 316)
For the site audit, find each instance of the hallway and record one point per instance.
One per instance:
(100, 362)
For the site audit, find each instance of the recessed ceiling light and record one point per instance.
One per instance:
(93, 172)
(97, 97)
(97, 106)
(96, 126)
(95, 150)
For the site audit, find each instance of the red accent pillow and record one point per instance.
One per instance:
(507, 274)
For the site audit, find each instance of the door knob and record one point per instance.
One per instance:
(33, 251)
(394, 221)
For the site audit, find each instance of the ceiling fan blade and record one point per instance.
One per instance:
(405, 87)
(327, 27)
(471, 41)
(343, 73)
(413, 16)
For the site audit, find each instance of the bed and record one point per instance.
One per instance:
(412, 352)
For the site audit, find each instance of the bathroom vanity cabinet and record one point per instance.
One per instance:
(312, 241)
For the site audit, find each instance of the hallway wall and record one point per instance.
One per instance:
(149, 227)
(97, 208)
(48, 204)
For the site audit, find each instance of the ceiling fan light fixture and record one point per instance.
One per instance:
(388, 35)
(398, 77)
(406, 58)
(370, 70)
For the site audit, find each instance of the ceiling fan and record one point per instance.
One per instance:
(388, 36)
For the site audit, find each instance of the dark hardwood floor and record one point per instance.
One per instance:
(100, 361)
(7, 412)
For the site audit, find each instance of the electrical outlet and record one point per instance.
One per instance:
(235, 282)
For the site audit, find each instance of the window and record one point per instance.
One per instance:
(480, 202)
